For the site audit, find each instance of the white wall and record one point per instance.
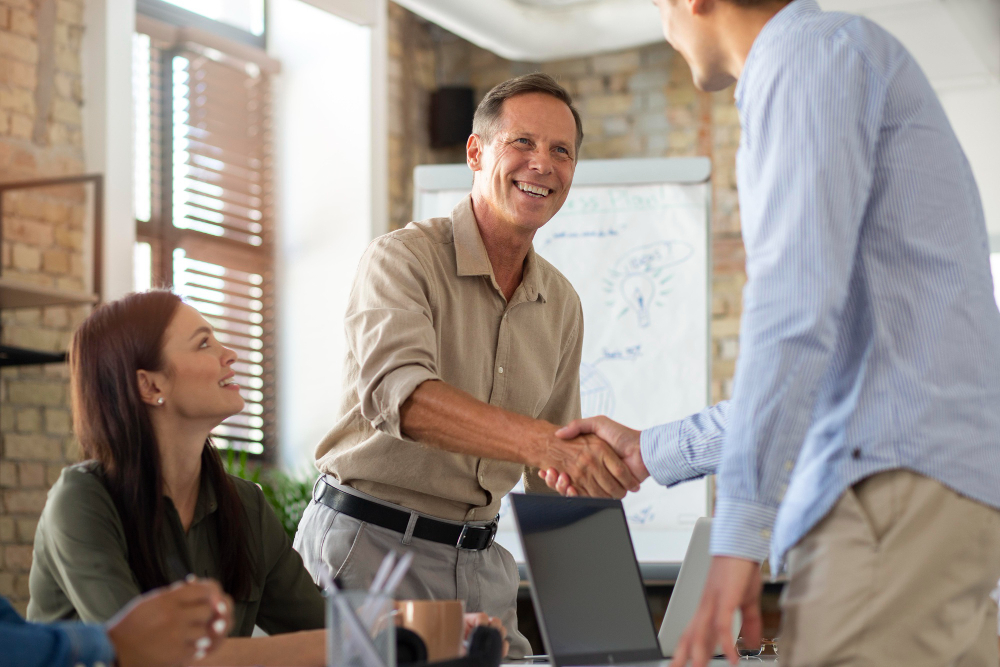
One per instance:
(107, 129)
(995, 263)
(324, 137)
(975, 115)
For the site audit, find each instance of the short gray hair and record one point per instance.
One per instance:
(490, 110)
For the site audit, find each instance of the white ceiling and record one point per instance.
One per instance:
(957, 42)
(542, 30)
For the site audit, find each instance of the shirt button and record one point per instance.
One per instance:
(766, 534)
(789, 465)
(856, 454)
(501, 370)
(100, 664)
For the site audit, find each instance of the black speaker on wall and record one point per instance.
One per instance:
(452, 108)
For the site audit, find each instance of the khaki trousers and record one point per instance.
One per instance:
(898, 573)
(486, 580)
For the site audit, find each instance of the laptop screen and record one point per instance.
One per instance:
(585, 580)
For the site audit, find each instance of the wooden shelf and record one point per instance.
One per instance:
(18, 294)
(15, 293)
(18, 356)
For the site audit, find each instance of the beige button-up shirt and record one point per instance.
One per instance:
(426, 306)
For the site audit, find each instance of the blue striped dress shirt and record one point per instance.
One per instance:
(870, 340)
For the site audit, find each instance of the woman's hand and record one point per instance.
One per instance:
(170, 626)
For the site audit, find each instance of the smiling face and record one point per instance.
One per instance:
(525, 171)
(196, 382)
(690, 27)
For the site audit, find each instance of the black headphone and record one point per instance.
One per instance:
(485, 649)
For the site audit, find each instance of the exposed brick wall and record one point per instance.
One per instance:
(40, 136)
(635, 103)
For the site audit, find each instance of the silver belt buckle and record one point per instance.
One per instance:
(461, 538)
(489, 541)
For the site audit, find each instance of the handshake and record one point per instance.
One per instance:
(593, 457)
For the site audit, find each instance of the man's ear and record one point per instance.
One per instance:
(150, 387)
(700, 7)
(474, 152)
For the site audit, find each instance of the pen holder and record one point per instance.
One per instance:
(366, 640)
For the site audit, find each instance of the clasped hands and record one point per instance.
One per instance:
(594, 457)
(608, 462)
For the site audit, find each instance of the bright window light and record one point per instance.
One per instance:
(245, 14)
(143, 263)
(143, 148)
(995, 263)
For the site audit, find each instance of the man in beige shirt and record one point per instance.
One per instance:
(463, 359)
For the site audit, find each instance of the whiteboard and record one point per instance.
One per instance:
(632, 238)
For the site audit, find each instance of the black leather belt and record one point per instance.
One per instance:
(460, 536)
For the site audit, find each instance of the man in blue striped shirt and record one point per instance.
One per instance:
(163, 628)
(862, 442)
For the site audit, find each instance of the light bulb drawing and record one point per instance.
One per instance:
(638, 289)
(641, 279)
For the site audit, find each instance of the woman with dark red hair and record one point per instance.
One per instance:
(153, 504)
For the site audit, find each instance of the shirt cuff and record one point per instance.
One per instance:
(742, 529)
(662, 455)
(88, 644)
(393, 391)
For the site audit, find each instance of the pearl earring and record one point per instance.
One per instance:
(159, 401)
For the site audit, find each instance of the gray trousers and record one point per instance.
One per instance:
(486, 580)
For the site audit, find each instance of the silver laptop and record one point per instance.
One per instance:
(587, 588)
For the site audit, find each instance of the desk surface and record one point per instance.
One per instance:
(718, 662)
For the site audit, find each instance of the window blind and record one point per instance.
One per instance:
(209, 224)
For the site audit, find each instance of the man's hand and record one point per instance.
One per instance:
(439, 415)
(170, 626)
(732, 583)
(591, 464)
(623, 440)
(473, 621)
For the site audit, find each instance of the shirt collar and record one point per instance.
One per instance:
(470, 251)
(472, 259)
(788, 15)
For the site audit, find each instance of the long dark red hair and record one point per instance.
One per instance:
(114, 428)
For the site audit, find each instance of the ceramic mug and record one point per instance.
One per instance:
(440, 623)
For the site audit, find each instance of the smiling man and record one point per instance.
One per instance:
(464, 357)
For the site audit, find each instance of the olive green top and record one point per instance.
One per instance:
(81, 572)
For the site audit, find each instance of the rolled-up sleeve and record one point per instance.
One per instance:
(390, 331)
(563, 405)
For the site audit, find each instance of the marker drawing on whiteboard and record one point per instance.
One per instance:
(640, 278)
(642, 516)
(597, 396)
(594, 234)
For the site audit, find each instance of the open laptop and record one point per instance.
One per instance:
(586, 584)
